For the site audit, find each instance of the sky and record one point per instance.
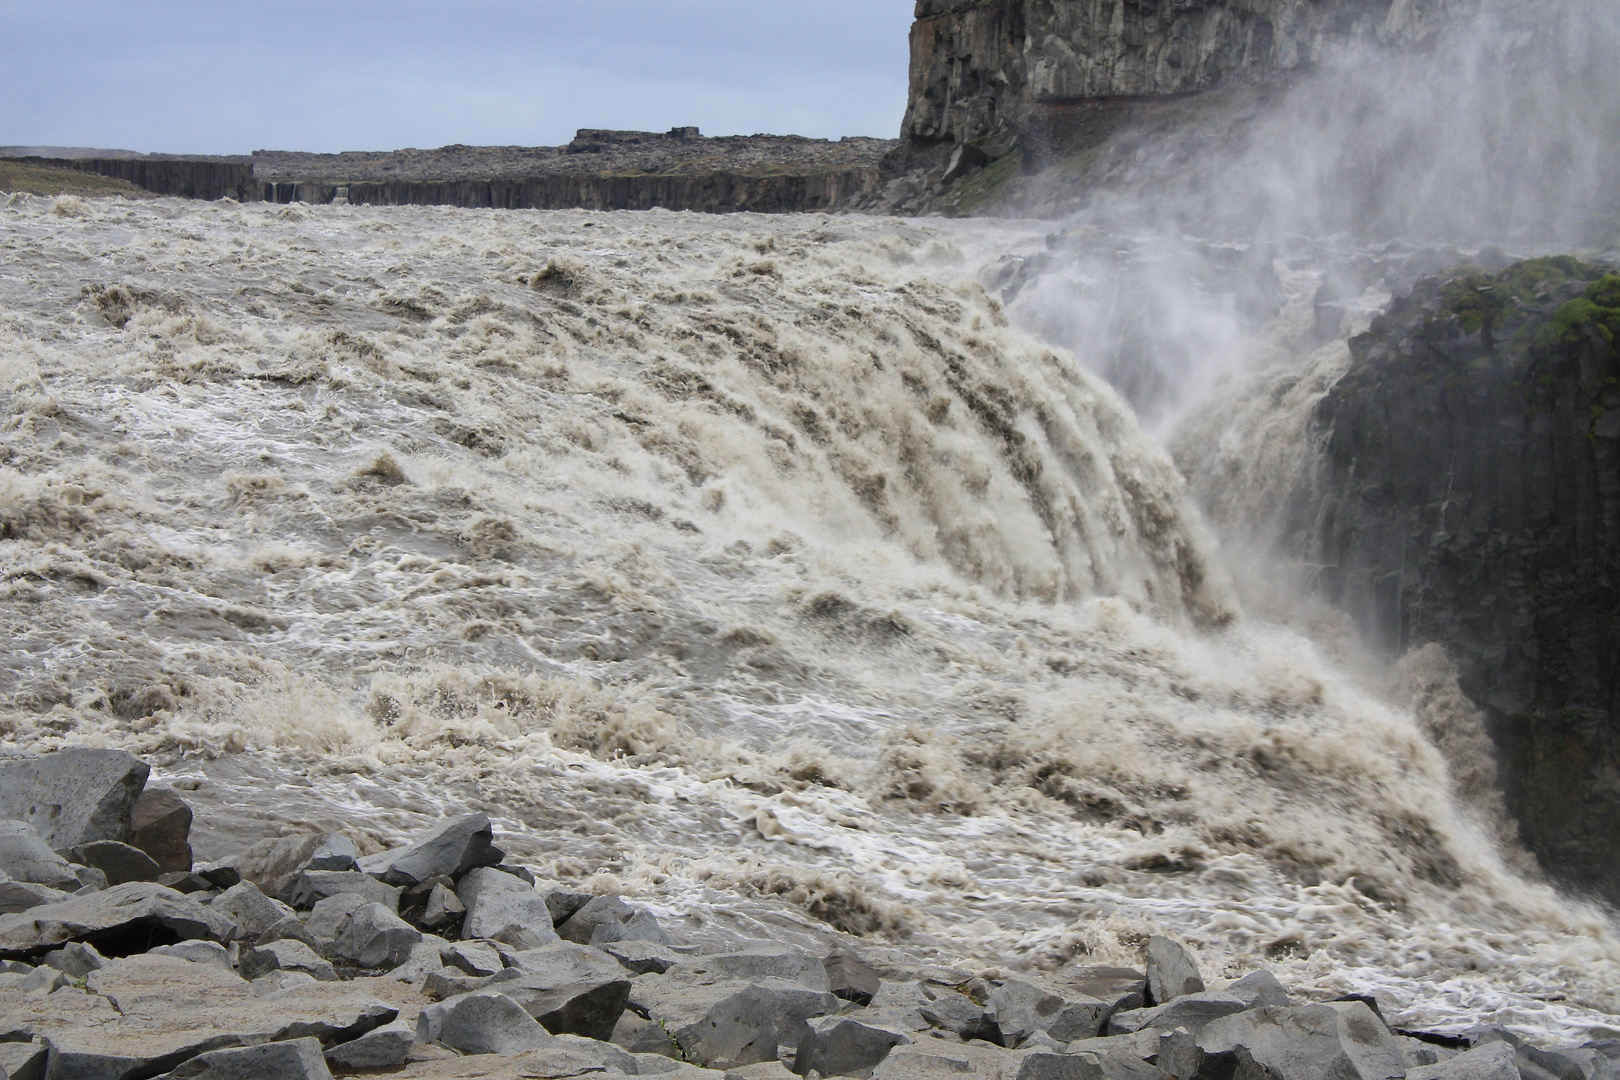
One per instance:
(230, 77)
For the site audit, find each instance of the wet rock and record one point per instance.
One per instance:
(718, 1025)
(1022, 1008)
(450, 850)
(199, 952)
(160, 825)
(120, 862)
(298, 1059)
(1193, 1011)
(570, 989)
(486, 1022)
(374, 937)
(184, 882)
(645, 957)
(148, 1014)
(285, 955)
(121, 919)
(845, 1046)
(1122, 988)
(756, 963)
(74, 796)
(250, 909)
(935, 1059)
(327, 918)
(579, 926)
(957, 1013)
(642, 926)
(24, 1060)
(1332, 1041)
(18, 896)
(1488, 1061)
(500, 906)
(387, 1047)
(24, 857)
(850, 977)
(1171, 971)
(310, 887)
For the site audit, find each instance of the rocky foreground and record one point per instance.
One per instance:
(300, 957)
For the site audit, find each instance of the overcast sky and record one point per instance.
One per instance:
(230, 77)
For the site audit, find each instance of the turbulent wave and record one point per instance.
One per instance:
(754, 566)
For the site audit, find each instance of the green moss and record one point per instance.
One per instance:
(1598, 309)
(986, 187)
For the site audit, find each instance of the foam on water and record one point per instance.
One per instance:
(749, 565)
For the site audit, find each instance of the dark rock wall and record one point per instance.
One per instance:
(180, 177)
(1472, 472)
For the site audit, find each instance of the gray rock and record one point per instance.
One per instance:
(1593, 1061)
(422, 965)
(451, 850)
(24, 857)
(1488, 1061)
(18, 896)
(717, 1025)
(793, 1006)
(43, 980)
(1171, 971)
(277, 983)
(486, 1022)
(120, 862)
(639, 1036)
(581, 925)
(24, 1060)
(386, 1047)
(502, 907)
(644, 957)
(1332, 1041)
(73, 796)
(327, 918)
(288, 928)
(754, 963)
(563, 903)
(1176, 1052)
(199, 952)
(374, 937)
(570, 1055)
(957, 1013)
(334, 852)
(160, 825)
(1193, 1011)
(1022, 1008)
(310, 887)
(273, 865)
(473, 957)
(935, 1059)
(75, 960)
(446, 983)
(570, 989)
(442, 909)
(642, 926)
(845, 1046)
(850, 977)
(219, 875)
(285, 955)
(90, 879)
(184, 882)
(298, 1059)
(1086, 1066)
(250, 909)
(138, 908)
(1122, 988)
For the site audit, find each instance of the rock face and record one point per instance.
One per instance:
(1470, 495)
(1048, 75)
(74, 796)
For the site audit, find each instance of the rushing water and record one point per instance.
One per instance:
(754, 566)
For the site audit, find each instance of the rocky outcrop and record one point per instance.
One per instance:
(185, 178)
(1472, 498)
(1044, 76)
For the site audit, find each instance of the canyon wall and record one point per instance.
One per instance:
(186, 178)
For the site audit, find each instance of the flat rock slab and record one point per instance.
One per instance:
(122, 919)
(298, 1059)
(154, 1012)
(73, 796)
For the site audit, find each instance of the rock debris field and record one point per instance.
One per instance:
(121, 959)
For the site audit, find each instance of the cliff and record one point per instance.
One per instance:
(1046, 76)
(1472, 480)
(185, 178)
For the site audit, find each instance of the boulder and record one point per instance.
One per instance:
(570, 989)
(935, 1059)
(73, 796)
(1022, 1008)
(642, 926)
(76, 960)
(441, 908)
(1171, 971)
(1122, 988)
(1193, 1011)
(486, 1022)
(644, 957)
(298, 1059)
(500, 906)
(845, 1046)
(328, 917)
(473, 957)
(718, 1025)
(1331, 1041)
(334, 852)
(310, 887)
(285, 955)
(1087, 1066)
(184, 881)
(121, 919)
(582, 924)
(147, 1014)
(957, 1013)
(24, 1060)
(563, 903)
(387, 1047)
(374, 937)
(120, 862)
(199, 952)
(422, 965)
(160, 825)
(250, 909)
(754, 963)
(641, 1036)
(1488, 1061)
(24, 857)
(18, 896)
(793, 1006)
(850, 977)
(450, 850)
(273, 865)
